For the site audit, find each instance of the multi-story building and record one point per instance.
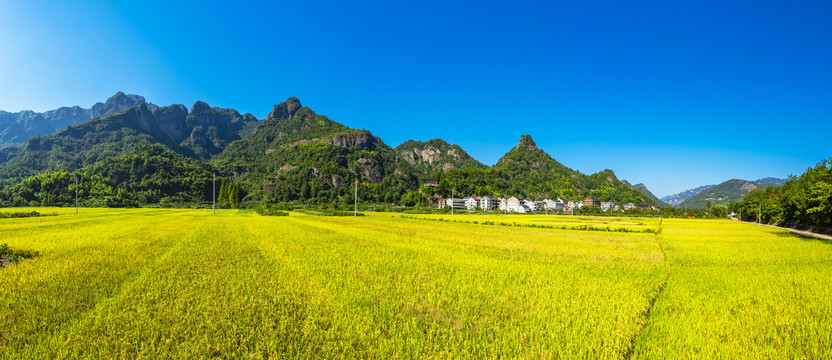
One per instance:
(607, 205)
(455, 203)
(488, 203)
(471, 203)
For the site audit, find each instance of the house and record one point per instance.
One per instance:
(514, 203)
(592, 202)
(431, 182)
(501, 204)
(455, 203)
(647, 207)
(629, 206)
(471, 203)
(569, 207)
(535, 205)
(607, 205)
(558, 205)
(442, 203)
(488, 202)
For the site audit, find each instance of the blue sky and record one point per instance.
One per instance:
(674, 94)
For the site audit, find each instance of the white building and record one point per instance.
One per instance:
(607, 206)
(629, 206)
(501, 204)
(514, 204)
(554, 205)
(455, 203)
(488, 203)
(472, 203)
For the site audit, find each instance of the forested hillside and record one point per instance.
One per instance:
(294, 155)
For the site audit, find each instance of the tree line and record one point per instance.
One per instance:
(803, 200)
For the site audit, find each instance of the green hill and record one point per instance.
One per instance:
(148, 173)
(296, 154)
(643, 189)
(527, 171)
(431, 157)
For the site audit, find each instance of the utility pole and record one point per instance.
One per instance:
(356, 197)
(76, 194)
(453, 193)
(214, 197)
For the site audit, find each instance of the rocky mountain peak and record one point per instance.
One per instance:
(118, 102)
(526, 143)
(286, 109)
(200, 106)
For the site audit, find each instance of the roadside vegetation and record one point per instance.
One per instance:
(804, 200)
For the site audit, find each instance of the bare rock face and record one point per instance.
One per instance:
(171, 120)
(430, 155)
(361, 141)
(367, 169)
(286, 109)
(748, 186)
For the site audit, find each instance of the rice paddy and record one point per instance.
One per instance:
(152, 283)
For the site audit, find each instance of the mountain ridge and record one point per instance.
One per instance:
(16, 128)
(295, 154)
(728, 192)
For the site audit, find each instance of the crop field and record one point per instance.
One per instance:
(153, 283)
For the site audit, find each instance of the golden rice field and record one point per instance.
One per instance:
(180, 284)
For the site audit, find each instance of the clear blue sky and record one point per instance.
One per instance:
(674, 94)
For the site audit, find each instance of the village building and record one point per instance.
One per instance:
(607, 205)
(557, 205)
(472, 203)
(431, 182)
(592, 202)
(442, 203)
(455, 203)
(488, 202)
(512, 204)
(501, 204)
(629, 206)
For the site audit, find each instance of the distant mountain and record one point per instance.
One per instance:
(764, 182)
(433, 156)
(16, 128)
(643, 189)
(677, 199)
(201, 133)
(728, 192)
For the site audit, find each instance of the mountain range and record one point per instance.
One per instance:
(16, 128)
(292, 155)
(726, 192)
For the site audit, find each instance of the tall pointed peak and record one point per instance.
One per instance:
(526, 143)
(286, 109)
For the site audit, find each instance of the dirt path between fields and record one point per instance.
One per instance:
(793, 231)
